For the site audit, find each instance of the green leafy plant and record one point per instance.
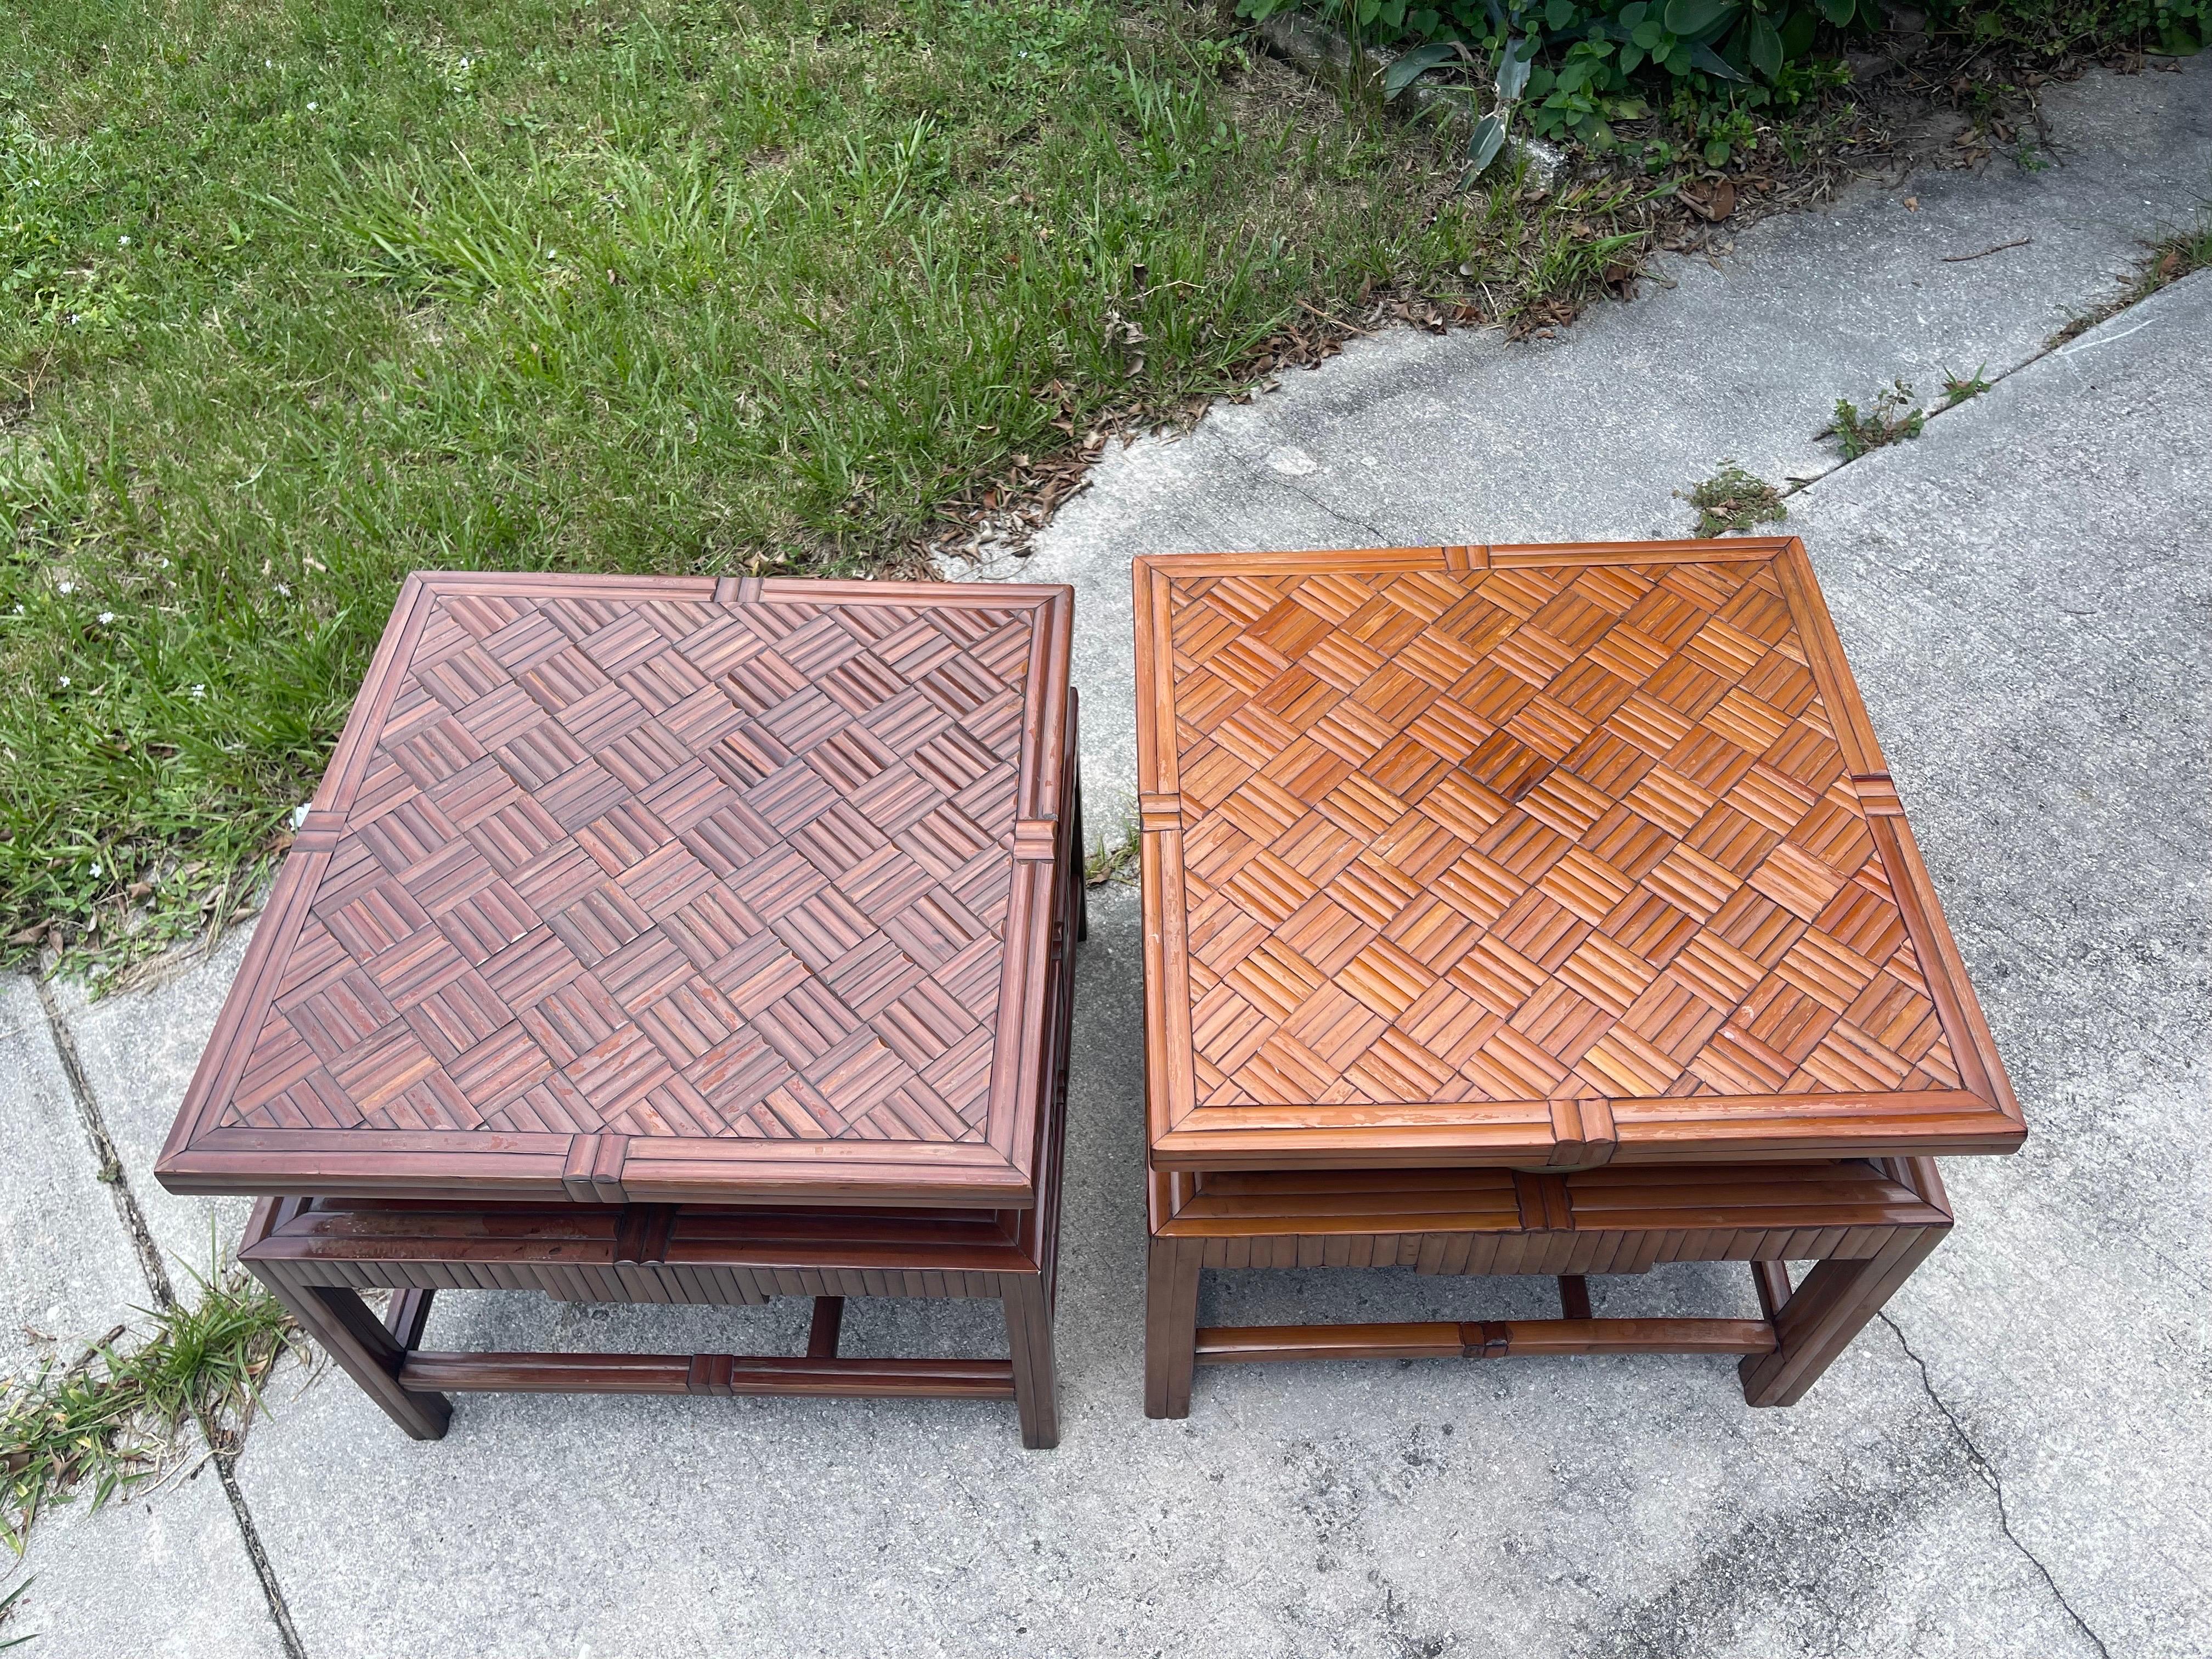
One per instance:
(1488, 137)
(2050, 30)
(1732, 499)
(112, 1418)
(2179, 255)
(1718, 68)
(1958, 388)
(1591, 63)
(1893, 419)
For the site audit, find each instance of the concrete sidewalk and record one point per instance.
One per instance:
(2012, 1462)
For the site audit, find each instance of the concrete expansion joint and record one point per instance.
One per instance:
(1987, 1472)
(111, 1171)
(112, 1176)
(2091, 337)
(288, 1633)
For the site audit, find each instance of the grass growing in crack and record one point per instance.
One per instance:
(1959, 388)
(1732, 499)
(1114, 861)
(2177, 257)
(1893, 419)
(111, 1418)
(2171, 259)
(296, 298)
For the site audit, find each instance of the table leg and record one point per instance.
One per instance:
(1172, 1324)
(407, 1315)
(1771, 1280)
(1082, 857)
(1828, 1309)
(371, 1354)
(828, 1324)
(1029, 1341)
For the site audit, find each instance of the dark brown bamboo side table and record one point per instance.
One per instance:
(1535, 910)
(673, 941)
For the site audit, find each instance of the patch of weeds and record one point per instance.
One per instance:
(1732, 499)
(1536, 255)
(1958, 388)
(1893, 419)
(113, 1417)
(2170, 260)
(1114, 861)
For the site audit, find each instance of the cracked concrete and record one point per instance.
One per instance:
(2024, 595)
(1990, 1478)
(2015, 1467)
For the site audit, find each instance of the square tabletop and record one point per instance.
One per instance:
(663, 889)
(1537, 856)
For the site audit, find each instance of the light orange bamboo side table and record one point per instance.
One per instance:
(1536, 909)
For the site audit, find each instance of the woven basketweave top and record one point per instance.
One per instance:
(1533, 855)
(662, 889)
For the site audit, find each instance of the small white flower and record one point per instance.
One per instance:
(311, 103)
(65, 681)
(464, 63)
(164, 564)
(268, 63)
(552, 253)
(282, 589)
(96, 868)
(67, 588)
(105, 617)
(199, 690)
(123, 242)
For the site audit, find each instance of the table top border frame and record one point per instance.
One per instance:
(1586, 1131)
(201, 1158)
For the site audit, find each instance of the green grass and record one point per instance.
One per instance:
(111, 1418)
(7, 1612)
(2182, 254)
(296, 297)
(1114, 860)
(2179, 254)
